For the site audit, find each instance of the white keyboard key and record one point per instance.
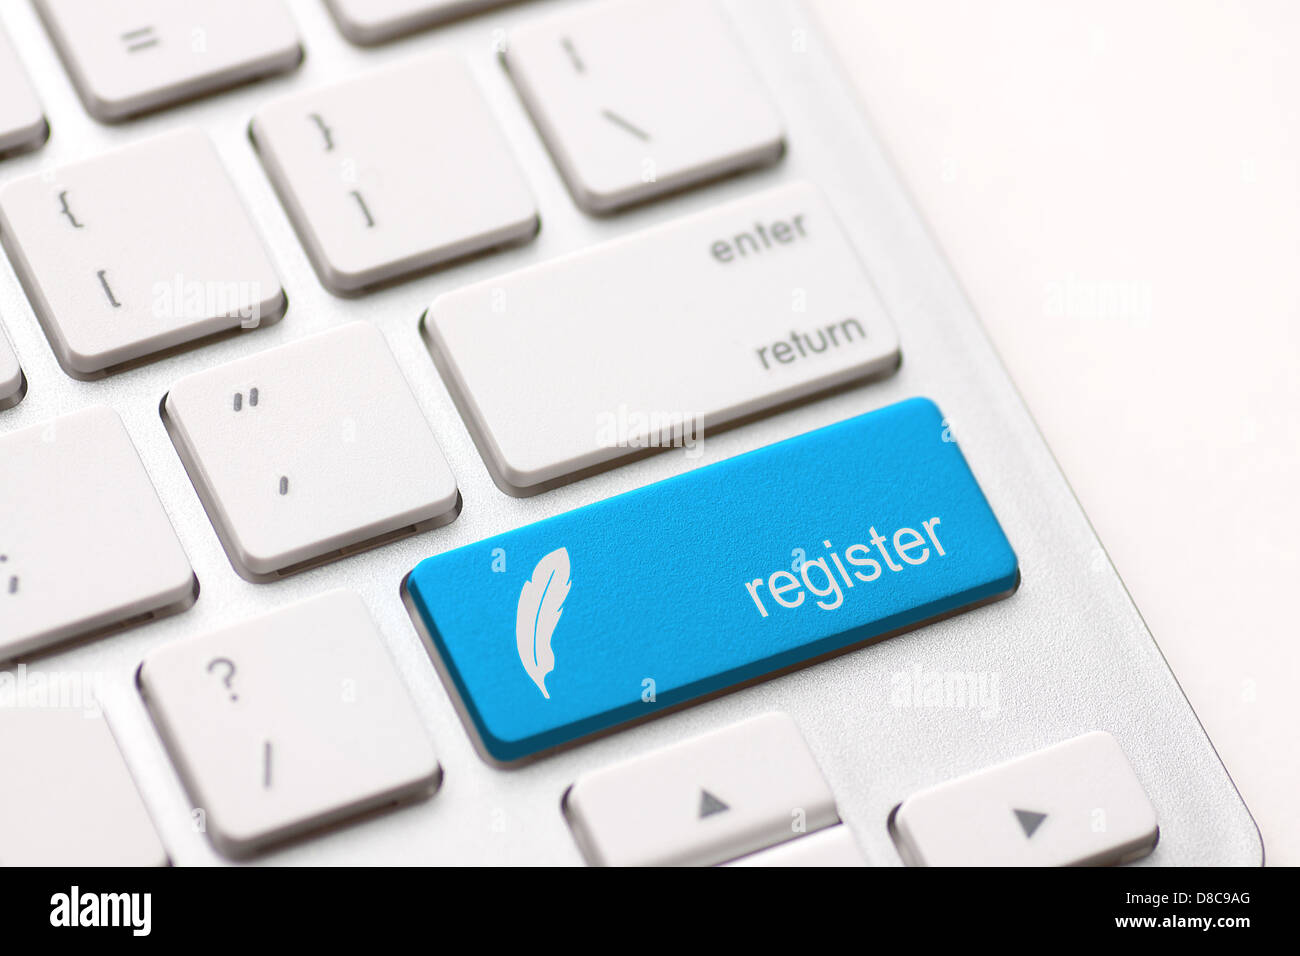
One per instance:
(368, 180)
(13, 386)
(131, 56)
(68, 799)
(704, 801)
(577, 362)
(84, 542)
(1076, 803)
(366, 22)
(309, 451)
(22, 122)
(833, 846)
(288, 722)
(139, 250)
(642, 97)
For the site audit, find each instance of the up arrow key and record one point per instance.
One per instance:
(709, 805)
(1030, 821)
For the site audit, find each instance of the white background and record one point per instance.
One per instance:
(1116, 185)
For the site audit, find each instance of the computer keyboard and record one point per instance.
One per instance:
(409, 400)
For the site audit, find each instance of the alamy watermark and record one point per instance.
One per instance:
(946, 690)
(194, 299)
(1078, 298)
(630, 428)
(75, 690)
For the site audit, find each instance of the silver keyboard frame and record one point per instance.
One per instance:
(1070, 650)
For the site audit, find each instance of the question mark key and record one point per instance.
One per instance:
(282, 723)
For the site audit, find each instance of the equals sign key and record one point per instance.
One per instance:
(140, 39)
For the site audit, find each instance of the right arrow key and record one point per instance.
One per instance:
(1077, 803)
(1030, 821)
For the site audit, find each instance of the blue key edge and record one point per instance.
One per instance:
(512, 754)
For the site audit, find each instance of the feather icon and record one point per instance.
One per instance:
(540, 602)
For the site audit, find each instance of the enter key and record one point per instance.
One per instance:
(650, 340)
(591, 619)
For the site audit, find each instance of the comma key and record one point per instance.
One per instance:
(328, 455)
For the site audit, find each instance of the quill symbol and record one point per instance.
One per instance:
(540, 601)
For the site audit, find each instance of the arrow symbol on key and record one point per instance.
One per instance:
(1029, 821)
(709, 805)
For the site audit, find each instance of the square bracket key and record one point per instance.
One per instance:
(137, 251)
(375, 194)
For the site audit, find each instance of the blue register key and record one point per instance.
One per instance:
(604, 615)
